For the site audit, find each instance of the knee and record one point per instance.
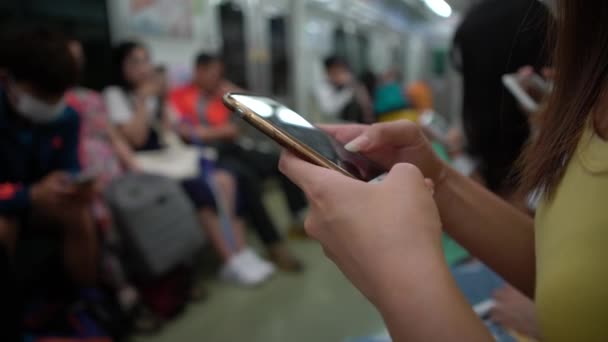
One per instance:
(225, 181)
(8, 232)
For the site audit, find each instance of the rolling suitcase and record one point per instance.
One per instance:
(156, 221)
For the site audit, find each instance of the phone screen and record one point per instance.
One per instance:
(302, 130)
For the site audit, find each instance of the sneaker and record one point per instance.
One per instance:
(238, 271)
(255, 261)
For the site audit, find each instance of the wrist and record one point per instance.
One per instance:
(407, 276)
(442, 176)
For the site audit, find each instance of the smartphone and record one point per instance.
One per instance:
(295, 133)
(515, 85)
(435, 125)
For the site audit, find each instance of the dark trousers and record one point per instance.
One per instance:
(252, 168)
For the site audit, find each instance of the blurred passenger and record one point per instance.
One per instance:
(420, 96)
(47, 233)
(496, 38)
(103, 150)
(138, 109)
(390, 100)
(340, 96)
(207, 120)
(370, 82)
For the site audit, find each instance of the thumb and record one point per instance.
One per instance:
(406, 176)
(396, 134)
(305, 175)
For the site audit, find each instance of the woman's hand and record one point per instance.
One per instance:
(371, 231)
(391, 143)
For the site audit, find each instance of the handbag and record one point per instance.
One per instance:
(175, 160)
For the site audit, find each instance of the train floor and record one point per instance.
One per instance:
(316, 305)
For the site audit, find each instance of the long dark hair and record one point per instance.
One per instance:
(495, 38)
(119, 54)
(581, 65)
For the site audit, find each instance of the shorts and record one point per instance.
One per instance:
(199, 192)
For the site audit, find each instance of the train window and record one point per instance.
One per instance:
(234, 50)
(85, 20)
(280, 58)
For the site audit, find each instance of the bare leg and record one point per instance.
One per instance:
(226, 185)
(8, 234)
(211, 224)
(80, 244)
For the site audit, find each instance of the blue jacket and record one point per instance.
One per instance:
(29, 152)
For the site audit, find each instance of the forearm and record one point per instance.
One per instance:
(123, 151)
(489, 228)
(423, 303)
(136, 131)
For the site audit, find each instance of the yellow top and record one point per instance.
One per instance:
(572, 249)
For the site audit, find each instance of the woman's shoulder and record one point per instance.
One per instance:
(592, 150)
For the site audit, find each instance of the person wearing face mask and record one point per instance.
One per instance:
(47, 234)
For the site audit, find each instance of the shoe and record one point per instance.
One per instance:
(254, 261)
(145, 321)
(284, 259)
(237, 270)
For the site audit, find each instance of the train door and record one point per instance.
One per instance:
(279, 57)
(234, 47)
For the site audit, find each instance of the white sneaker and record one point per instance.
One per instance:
(238, 271)
(255, 261)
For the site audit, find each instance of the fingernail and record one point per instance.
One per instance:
(359, 143)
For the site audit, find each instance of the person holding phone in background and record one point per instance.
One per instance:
(385, 237)
(207, 120)
(138, 108)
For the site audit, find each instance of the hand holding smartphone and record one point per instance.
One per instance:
(295, 133)
(528, 90)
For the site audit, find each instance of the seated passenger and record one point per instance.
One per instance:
(340, 96)
(138, 110)
(206, 119)
(102, 149)
(46, 226)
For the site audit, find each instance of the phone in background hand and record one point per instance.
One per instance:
(527, 90)
(301, 137)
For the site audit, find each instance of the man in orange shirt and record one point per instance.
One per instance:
(206, 120)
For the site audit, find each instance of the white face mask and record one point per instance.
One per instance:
(38, 111)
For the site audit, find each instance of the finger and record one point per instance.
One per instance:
(407, 175)
(430, 185)
(402, 133)
(344, 133)
(302, 173)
